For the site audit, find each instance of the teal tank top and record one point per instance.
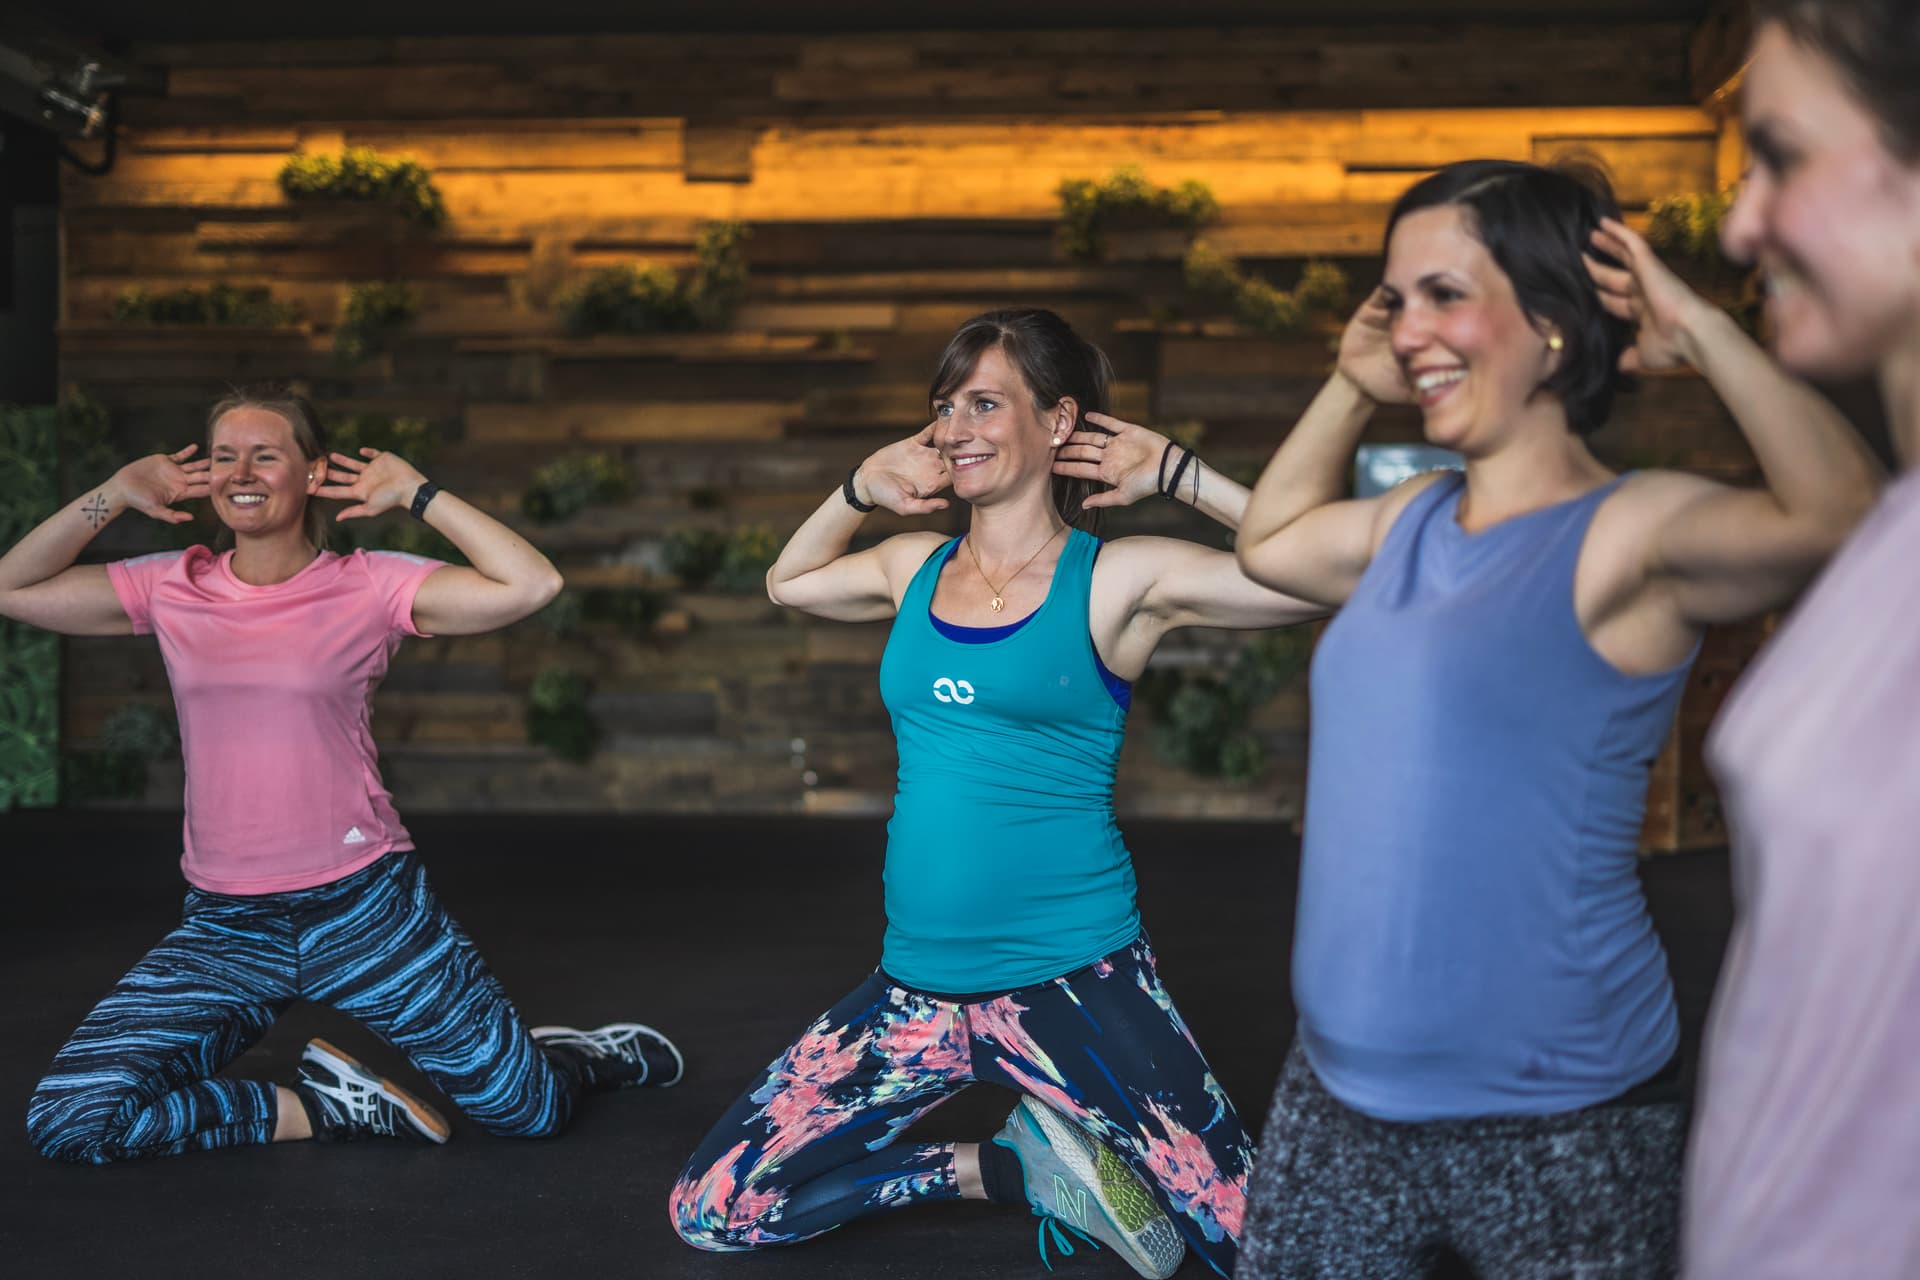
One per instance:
(1005, 866)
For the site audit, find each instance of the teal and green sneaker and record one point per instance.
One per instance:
(1073, 1180)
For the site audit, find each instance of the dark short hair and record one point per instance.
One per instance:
(1537, 223)
(308, 435)
(1055, 362)
(1876, 46)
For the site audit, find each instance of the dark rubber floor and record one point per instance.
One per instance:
(727, 934)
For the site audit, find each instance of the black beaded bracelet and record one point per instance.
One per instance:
(421, 497)
(853, 499)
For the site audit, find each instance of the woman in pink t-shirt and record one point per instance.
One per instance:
(303, 883)
(1805, 1158)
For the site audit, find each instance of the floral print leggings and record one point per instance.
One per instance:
(811, 1145)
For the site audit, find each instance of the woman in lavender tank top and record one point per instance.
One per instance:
(1805, 1158)
(1485, 1060)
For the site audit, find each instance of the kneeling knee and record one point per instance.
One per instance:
(61, 1130)
(710, 1213)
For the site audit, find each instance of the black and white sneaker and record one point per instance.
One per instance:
(345, 1101)
(629, 1054)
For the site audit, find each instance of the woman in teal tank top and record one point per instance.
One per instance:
(1014, 952)
(1486, 1055)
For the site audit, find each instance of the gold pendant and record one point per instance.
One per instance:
(998, 604)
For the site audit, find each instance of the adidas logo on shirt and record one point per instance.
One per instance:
(354, 836)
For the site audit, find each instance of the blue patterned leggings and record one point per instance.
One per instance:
(810, 1146)
(137, 1078)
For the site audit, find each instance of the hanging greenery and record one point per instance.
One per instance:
(1688, 226)
(1088, 208)
(361, 175)
(372, 312)
(1200, 719)
(131, 741)
(251, 306)
(732, 561)
(412, 438)
(557, 714)
(629, 608)
(639, 297)
(1322, 291)
(567, 486)
(29, 657)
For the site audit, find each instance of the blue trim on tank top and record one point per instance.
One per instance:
(1120, 690)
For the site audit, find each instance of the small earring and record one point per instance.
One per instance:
(1056, 442)
(1556, 342)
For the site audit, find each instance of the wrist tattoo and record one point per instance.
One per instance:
(96, 511)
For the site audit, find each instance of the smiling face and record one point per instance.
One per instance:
(996, 442)
(260, 480)
(1829, 215)
(1474, 361)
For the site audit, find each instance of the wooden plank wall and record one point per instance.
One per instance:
(894, 185)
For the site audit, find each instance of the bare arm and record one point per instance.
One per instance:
(509, 578)
(816, 574)
(1146, 587)
(1137, 462)
(1721, 553)
(1301, 534)
(39, 583)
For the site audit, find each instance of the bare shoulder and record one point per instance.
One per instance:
(902, 555)
(1149, 555)
(1634, 514)
(1662, 493)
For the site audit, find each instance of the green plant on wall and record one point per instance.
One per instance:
(86, 443)
(371, 314)
(557, 714)
(1200, 719)
(1685, 229)
(412, 438)
(719, 279)
(567, 486)
(1321, 291)
(1089, 208)
(29, 658)
(131, 741)
(732, 561)
(1688, 226)
(226, 305)
(361, 175)
(639, 297)
(629, 608)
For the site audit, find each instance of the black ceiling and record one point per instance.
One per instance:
(121, 21)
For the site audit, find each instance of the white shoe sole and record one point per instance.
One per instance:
(1156, 1250)
(427, 1122)
(622, 1028)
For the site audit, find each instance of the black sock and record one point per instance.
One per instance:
(1001, 1175)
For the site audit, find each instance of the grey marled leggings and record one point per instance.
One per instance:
(1582, 1195)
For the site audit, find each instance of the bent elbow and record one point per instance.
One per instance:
(550, 584)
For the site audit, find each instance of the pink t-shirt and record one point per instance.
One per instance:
(1805, 1158)
(273, 685)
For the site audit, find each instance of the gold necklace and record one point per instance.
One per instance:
(999, 592)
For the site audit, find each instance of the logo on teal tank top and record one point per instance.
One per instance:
(946, 689)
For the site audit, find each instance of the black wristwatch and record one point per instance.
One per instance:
(853, 499)
(421, 497)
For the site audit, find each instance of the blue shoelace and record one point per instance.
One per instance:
(1059, 1230)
